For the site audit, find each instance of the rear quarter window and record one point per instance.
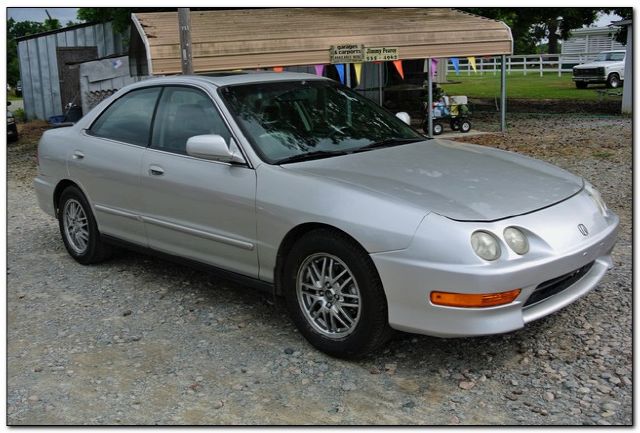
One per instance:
(129, 118)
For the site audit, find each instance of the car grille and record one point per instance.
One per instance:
(556, 285)
(587, 72)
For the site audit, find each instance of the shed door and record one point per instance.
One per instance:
(69, 59)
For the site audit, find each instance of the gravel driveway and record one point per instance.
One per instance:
(138, 340)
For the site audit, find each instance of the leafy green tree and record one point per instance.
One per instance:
(529, 26)
(17, 29)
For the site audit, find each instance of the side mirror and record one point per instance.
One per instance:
(214, 148)
(404, 117)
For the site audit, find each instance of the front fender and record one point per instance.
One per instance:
(286, 199)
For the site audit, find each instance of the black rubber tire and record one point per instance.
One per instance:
(454, 124)
(372, 331)
(581, 84)
(613, 80)
(465, 126)
(97, 250)
(438, 128)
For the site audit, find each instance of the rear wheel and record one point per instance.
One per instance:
(613, 80)
(465, 126)
(334, 295)
(581, 84)
(79, 229)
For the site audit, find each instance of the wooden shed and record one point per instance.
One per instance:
(259, 38)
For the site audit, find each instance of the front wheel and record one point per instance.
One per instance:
(334, 295)
(465, 126)
(613, 80)
(437, 128)
(79, 229)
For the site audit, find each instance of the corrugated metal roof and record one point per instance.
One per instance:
(230, 39)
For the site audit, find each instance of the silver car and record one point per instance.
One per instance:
(297, 184)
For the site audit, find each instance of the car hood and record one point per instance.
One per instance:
(460, 181)
(596, 64)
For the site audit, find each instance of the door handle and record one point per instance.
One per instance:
(77, 155)
(155, 170)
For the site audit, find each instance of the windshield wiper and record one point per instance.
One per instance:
(387, 143)
(317, 154)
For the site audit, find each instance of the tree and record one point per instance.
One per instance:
(529, 26)
(17, 30)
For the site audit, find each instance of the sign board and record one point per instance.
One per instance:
(380, 54)
(348, 53)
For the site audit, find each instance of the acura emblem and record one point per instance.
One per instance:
(583, 229)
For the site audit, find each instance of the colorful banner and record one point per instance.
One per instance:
(278, 69)
(398, 65)
(340, 69)
(319, 69)
(472, 62)
(456, 64)
(358, 68)
(434, 68)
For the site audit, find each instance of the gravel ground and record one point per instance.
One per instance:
(138, 340)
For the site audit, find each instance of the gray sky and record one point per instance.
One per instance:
(38, 14)
(69, 14)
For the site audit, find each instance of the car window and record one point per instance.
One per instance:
(129, 118)
(183, 113)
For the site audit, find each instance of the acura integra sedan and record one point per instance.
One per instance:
(297, 184)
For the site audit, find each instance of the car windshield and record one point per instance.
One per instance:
(289, 121)
(610, 57)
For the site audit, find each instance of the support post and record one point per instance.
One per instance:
(347, 74)
(380, 78)
(429, 99)
(541, 66)
(184, 26)
(503, 94)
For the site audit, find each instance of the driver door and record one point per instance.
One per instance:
(195, 208)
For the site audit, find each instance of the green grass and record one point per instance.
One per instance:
(519, 86)
(13, 98)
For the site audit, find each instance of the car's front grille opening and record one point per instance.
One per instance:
(556, 285)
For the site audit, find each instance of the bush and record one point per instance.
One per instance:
(20, 115)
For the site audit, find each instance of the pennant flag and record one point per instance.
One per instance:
(398, 65)
(278, 68)
(456, 64)
(358, 68)
(434, 67)
(319, 69)
(340, 69)
(472, 62)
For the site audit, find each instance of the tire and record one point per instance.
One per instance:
(581, 84)
(437, 128)
(613, 80)
(465, 126)
(306, 295)
(454, 124)
(85, 248)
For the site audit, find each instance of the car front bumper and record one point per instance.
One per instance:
(590, 79)
(557, 249)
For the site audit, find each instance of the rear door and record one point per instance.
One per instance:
(107, 163)
(195, 208)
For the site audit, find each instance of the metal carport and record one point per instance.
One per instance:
(264, 38)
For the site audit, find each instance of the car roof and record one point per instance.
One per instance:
(219, 79)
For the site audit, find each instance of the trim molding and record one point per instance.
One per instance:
(200, 233)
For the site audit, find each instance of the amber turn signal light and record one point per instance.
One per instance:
(464, 300)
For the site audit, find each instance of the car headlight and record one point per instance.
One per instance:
(485, 245)
(516, 240)
(597, 198)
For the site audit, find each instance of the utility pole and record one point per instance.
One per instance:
(184, 23)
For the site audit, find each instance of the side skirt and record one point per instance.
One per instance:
(254, 283)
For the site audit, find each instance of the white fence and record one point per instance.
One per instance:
(524, 64)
